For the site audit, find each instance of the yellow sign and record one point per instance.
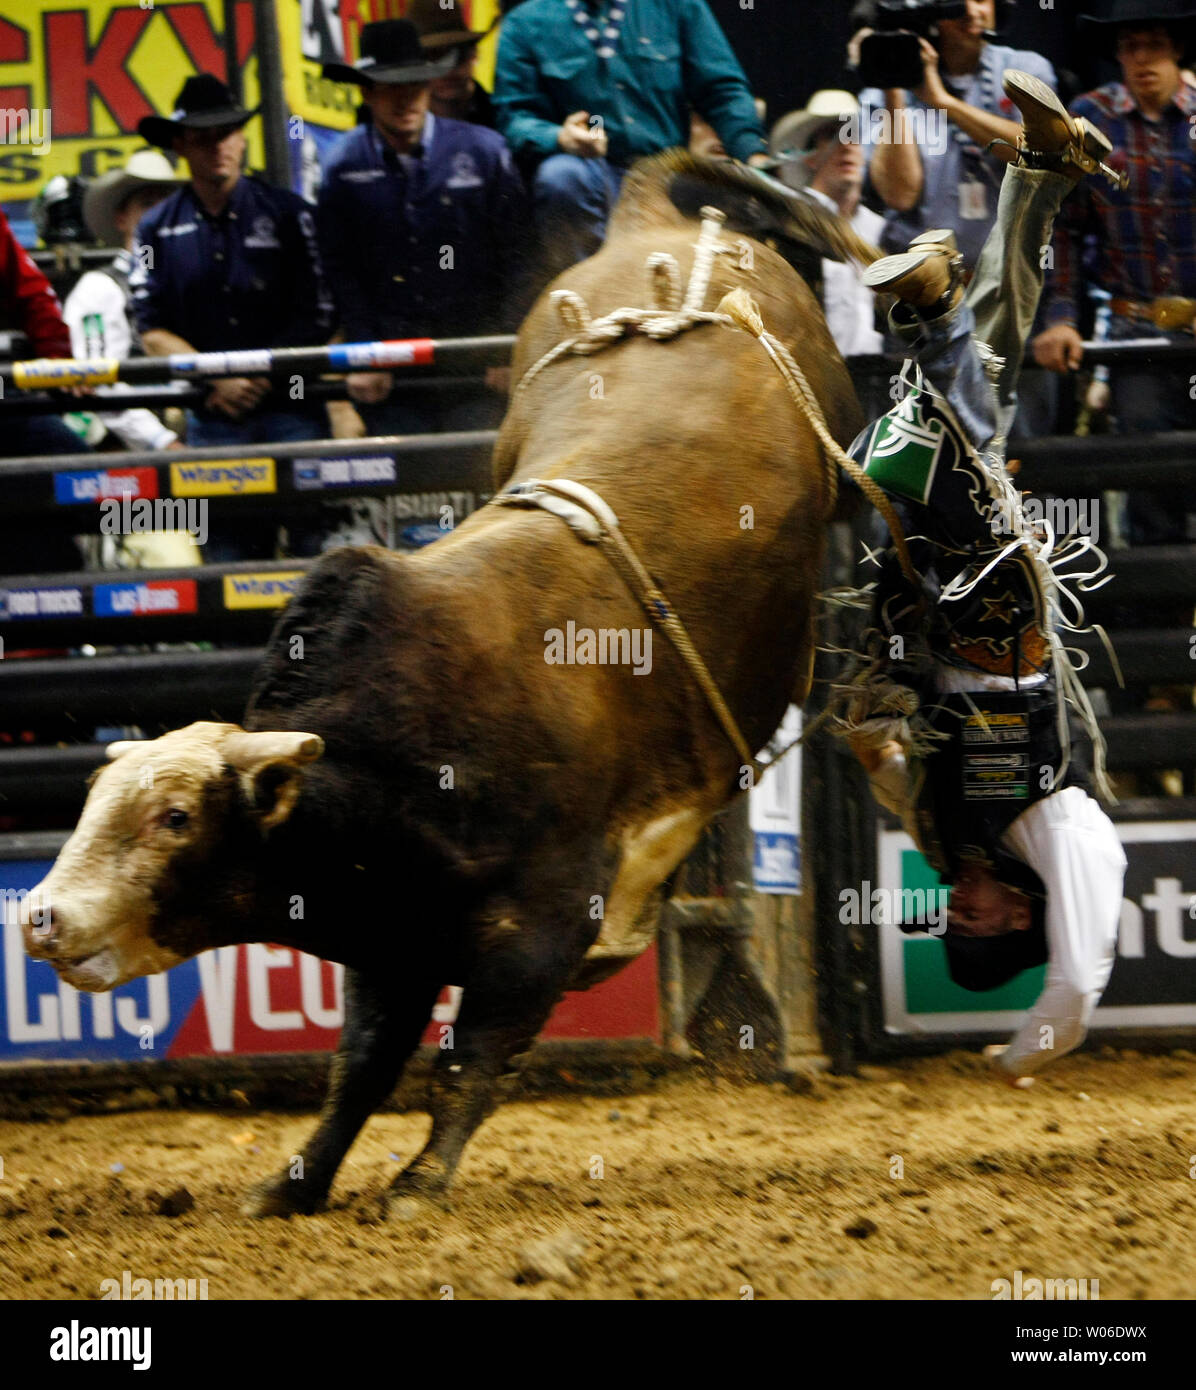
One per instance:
(222, 477)
(53, 372)
(273, 589)
(78, 75)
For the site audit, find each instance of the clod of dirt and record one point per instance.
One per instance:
(861, 1229)
(556, 1257)
(175, 1203)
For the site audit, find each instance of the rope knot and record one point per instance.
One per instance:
(738, 305)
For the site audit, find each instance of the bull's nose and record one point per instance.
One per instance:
(41, 926)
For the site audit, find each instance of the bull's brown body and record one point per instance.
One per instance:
(479, 816)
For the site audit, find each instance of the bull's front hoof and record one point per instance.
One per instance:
(408, 1208)
(281, 1196)
(411, 1200)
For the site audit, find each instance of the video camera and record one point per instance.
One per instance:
(890, 57)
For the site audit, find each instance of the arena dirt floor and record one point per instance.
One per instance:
(708, 1190)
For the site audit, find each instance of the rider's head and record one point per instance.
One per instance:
(983, 906)
(994, 930)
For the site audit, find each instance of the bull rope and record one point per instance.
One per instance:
(669, 316)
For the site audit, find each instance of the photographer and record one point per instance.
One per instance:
(928, 164)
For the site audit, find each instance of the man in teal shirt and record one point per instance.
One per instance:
(589, 86)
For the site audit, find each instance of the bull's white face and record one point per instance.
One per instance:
(152, 828)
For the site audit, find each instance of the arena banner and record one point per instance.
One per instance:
(774, 812)
(1153, 984)
(241, 1001)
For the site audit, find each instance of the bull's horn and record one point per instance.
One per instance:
(247, 750)
(121, 746)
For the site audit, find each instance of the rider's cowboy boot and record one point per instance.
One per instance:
(1051, 139)
(926, 277)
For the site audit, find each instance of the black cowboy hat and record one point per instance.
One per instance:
(391, 53)
(981, 963)
(442, 27)
(1102, 29)
(203, 103)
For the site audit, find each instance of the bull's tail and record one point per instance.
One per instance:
(672, 187)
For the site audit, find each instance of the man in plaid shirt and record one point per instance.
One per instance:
(1144, 236)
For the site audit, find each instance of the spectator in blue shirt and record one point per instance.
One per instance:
(589, 86)
(928, 163)
(228, 262)
(422, 221)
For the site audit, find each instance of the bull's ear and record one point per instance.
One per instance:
(270, 767)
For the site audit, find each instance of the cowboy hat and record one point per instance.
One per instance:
(391, 54)
(204, 103)
(794, 134)
(440, 27)
(795, 131)
(145, 169)
(1102, 29)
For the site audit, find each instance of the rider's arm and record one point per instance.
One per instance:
(1071, 844)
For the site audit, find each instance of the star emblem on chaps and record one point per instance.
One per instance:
(1000, 609)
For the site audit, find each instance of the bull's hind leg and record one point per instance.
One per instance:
(383, 1026)
(505, 1003)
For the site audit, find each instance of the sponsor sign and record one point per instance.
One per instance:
(151, 598)
(774, 810)
(49, 373)
(241, 1000)
(1153, 983)
(99, 484)
(422, 534)
(40, 603)
(311, 475)
(222, 478)
(396, 352)
(273, 589)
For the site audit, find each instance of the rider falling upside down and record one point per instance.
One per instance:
(960, 715)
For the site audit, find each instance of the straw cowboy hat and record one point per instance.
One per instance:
(391, 53)
(146, 169)
(796, 130)
(203, 103)
(794, 134)
(442, 28)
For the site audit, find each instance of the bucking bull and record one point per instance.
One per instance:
(447, 805)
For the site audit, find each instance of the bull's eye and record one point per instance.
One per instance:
(175, 818)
